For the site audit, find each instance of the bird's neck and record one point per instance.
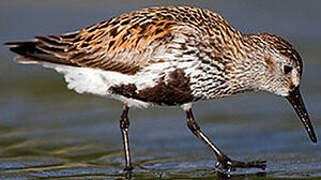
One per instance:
(249, 68)
(239, 64)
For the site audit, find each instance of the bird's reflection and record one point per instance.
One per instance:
(228, 176)
(127, 175)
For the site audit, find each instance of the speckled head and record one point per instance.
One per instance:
(283, 72)
(282, 63)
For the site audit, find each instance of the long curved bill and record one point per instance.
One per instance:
(297, 102)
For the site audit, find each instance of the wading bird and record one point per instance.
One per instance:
(171, 56)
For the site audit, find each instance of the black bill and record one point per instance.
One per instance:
(297, 102)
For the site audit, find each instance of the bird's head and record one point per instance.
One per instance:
(282, 65)
(282, 72)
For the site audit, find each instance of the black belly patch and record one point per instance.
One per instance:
(175, 91)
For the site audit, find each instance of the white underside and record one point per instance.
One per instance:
(98, 82)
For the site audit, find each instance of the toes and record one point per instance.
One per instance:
(231, 165)
(254, 164)
(258, 164)
(224, 167)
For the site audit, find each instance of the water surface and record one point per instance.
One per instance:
(49, 132)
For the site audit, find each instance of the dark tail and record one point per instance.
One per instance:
(27, 51)
(42, 49)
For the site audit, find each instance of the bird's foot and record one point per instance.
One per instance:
(128, 171)
(225, 164)
(128, 168)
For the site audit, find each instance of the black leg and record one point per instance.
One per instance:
(223, 161)
(124, 125)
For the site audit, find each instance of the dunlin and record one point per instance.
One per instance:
(171, 56)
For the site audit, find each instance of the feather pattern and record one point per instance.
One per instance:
(123, 44)
(163, 47)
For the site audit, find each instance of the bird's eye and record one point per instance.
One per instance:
(287, 69)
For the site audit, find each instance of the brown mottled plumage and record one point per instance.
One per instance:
(126, 43)
(171, 56)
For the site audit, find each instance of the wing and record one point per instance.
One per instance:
(123, 44)
(126, 43)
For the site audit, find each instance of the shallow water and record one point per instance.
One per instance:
(49, 132)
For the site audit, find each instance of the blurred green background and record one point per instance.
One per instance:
(47, 131)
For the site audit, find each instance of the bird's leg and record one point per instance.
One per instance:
(223, 162)
(124, 125)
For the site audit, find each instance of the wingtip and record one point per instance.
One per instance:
(15, 44)
(8, 44)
